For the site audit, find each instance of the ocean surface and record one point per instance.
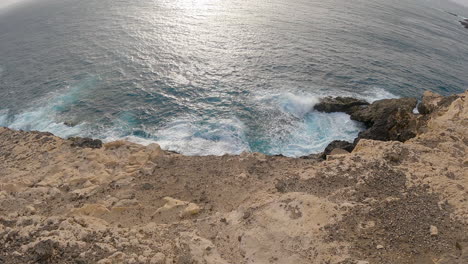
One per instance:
(210, 77)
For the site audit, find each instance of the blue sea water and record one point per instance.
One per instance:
(210, 77)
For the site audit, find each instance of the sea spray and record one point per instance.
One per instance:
(280, 123)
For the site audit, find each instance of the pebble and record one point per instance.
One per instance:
(434, 230)
(158, 258)
(380, 247)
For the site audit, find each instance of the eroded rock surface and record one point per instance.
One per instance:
(385, 202)
(340, 104)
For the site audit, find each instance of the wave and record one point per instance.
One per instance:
(279, 123)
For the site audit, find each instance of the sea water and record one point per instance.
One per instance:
(214, 77)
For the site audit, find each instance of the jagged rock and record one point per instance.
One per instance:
(338, 151)
(464, 23)
(44, 251)
(362, 262)
(432, 101)
(85, 142)
(339, 104)
(389, 119)
(158, 258)
(338, 144)
(429, 102)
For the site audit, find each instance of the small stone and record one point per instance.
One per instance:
(362, 262)
(30, 209)
(434, 230)
(142, 259)
(380, 247)
(338, 151)
(191, 209)
(158, 258)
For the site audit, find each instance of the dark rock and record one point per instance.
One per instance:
(389, 119)
(85, 142)
(433, 101)
(340, 104)
(45, 251)
(464, 23)
(70, 123)
(147, 186)
(429, 102)
(337, 144)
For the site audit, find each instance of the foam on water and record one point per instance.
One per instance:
(284, 123)
(297, 105)
(46, 114)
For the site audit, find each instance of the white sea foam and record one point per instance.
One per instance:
(375, 94)
(287, 125)
(193, 137)
(297, 105)
(41, 119)
(207, 137)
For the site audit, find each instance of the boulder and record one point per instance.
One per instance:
(337, 144)
(464, 23)
(339, 104)
(85, 142)
(432, 101)
(389, 119)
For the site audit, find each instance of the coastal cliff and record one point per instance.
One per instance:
(401, 201)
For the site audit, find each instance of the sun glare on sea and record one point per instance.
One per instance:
(196, 4)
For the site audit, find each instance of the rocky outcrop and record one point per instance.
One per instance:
(464, 23)
(385, 202)
(432, 101)
(337, 144)
(85, 142)
(389, 119)
(339, 104)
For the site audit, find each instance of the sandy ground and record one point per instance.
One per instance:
(386, 202)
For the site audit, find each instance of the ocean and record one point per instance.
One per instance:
(214, 77)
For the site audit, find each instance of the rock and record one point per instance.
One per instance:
(85, 142)
(158, 258)
(362, 262)
(432, 101)
(339, 104)
(338, 144)
(191, 209)
(338, 151)
(429, 102)
(389, 119)
(30, 209)
(70, 123)
(380, 247)
(44, 251)
(85, 192)
(177, 208)
(95, 210)
(464, 23)
(434, 230)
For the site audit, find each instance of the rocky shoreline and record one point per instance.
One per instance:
(397, 194)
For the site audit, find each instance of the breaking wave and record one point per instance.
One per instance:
(281, 123)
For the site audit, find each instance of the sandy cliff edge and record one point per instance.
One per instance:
(386, 202)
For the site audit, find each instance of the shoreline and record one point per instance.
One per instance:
(397, 196)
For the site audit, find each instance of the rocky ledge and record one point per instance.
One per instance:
(464, 23)
(403, 200)
(385, 120)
